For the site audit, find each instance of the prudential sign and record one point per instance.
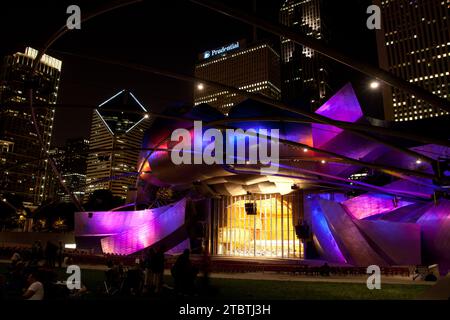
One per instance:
(224, 49)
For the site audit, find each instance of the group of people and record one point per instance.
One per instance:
(40, 256)
(31, 274)
(147, 276)
(26, 280)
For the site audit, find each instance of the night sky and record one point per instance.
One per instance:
(162, 33)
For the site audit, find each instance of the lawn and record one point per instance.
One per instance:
(235, 289)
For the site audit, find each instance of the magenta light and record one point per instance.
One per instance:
(142, 236)
(371, 204)
(104, 223)
(343, 106)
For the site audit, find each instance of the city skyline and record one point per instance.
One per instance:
(86, 82)
(278, 147)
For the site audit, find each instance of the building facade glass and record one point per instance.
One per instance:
(115, 142)
(24, 171)
(304, 73)
(255, 69)
(414, 44)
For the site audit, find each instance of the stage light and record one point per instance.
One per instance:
(200, 86)
(418, 161)
(305, 150)
(323, 162)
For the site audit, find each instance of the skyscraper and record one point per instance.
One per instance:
(117, 130)
(414, 44)
(304, 72)
(72, 163)
(23, 167)
(254, 68)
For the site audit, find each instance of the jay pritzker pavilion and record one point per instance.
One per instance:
(340, 195)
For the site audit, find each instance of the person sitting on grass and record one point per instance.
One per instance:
(15, 258)
(36, 289)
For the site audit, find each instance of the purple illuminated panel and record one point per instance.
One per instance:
(435, 225)
(371, 204)
(179, 248)
(323, 238)
(103, 223)
(349, 237)
(398, 242)
(143, 236)
(343, 106)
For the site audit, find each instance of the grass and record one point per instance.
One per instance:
(301, 290)
(237, 289)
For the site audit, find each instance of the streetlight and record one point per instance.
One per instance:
(374, 85)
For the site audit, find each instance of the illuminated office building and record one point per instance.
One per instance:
(75, 165)
(115, 142)
(254, 68)
(23, 169)
(413, 44)
(304, 73)
(71, 160)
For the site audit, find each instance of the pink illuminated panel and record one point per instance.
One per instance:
(146, 234)
(103, 223)
(368, 205)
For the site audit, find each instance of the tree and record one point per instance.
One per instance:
(11, 206)
(57, 215)
(102, 200)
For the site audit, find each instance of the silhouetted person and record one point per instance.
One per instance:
(50, 254)
(133, 281)
(184, 273)
(113, 277)
(325, 270)
(430, 277)
(39, 251)
(148, 275)
(205, 286)
(34, 252)
(60, 254)
(2, 287)
(157, 268)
